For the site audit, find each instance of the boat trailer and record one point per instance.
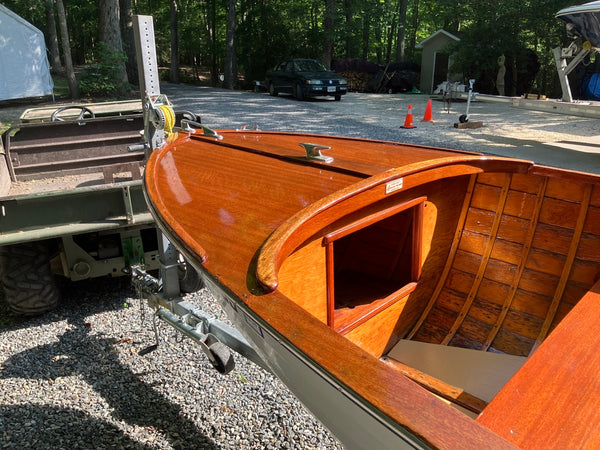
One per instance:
(163, 294)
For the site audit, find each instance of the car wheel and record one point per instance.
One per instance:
(338, 98)
(298, 92)
(272, 91)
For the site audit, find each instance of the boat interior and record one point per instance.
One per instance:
(454, 282)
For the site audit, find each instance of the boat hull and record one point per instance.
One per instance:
(584, 20)
(353, 423)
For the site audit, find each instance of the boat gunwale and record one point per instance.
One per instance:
(295, 230)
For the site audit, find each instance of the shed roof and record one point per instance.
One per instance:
(435, 35)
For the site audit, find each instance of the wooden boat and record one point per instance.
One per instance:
(408, 296)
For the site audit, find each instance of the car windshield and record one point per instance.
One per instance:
(309, 65)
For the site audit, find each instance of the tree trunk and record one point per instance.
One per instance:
(129, 41)
(366, 31)
(349, 11)
(211, 22)
(329, 32)
(174, 72)
(415, 27)
(230, 58)
(66, 47)
(52, 38)
(401, 36)
(109, 31)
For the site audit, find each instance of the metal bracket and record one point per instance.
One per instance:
(313, 152)
(214, 337)
(190, 125)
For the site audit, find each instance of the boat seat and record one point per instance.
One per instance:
(466, 377)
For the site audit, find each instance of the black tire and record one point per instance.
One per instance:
(30, 288)
(272, 91)
(224, 362)
(338, 98)
(463, 118)
(189, 278)
(298, 92)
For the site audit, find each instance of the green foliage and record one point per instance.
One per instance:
(101, 79)
(271, 30)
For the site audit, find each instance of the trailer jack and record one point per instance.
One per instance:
(214, 337)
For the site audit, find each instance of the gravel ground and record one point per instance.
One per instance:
(73, 379)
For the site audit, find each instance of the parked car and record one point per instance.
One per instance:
(305, 78)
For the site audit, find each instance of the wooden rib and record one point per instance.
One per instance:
(440, 388)
(484, 261)
(524, 254)
(564, 278)
(450, 261)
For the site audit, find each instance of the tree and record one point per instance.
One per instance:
(109, 32)
(52, 38)
(64, 36)
(128, 40)
(328, 32)
(174, 71)
(400, 39)
(230, 59)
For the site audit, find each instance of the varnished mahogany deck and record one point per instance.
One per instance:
(498, 255)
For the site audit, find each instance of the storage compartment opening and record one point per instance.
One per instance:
(372, 263)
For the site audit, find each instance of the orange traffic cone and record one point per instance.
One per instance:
(428, 117)
(408, 121)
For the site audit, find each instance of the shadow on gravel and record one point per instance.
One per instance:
(55, 427)
(77, 352)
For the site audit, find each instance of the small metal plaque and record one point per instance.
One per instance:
(394, 186)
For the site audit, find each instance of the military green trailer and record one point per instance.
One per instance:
(71, 204)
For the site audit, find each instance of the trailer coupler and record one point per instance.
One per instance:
(214, 337)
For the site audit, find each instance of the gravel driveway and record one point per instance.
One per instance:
(73, 378)
(545, 138)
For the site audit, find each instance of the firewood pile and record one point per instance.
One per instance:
(357, 71)
(365, 76)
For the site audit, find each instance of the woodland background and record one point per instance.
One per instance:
(199, 40)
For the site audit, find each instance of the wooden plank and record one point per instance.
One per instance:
(552, 401)
(449, 261)
(527, 242)
(526, 183)
(592, 221)
(485, 258)
(567, 268)
(444, 390)
(520, 204)
(564, 189)
(485, 196)
(511, 343)
(309, 289)
(469, 125)
(538, 282)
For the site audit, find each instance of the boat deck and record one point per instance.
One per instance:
(391, 247)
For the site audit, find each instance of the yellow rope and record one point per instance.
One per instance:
(169, 117)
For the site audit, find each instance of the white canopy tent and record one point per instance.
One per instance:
(24, 68)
